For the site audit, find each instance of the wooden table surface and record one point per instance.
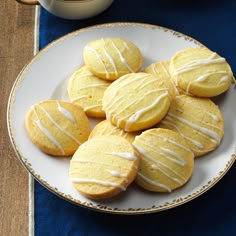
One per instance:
(16, 49)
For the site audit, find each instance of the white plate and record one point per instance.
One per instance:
(46, 77)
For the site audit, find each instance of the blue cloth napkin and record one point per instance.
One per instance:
(214, 213)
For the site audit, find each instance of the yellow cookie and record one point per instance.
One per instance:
(167, 162)
(110, 58)
(200, 72)
(86, 90)
(106, 128)
(198, 120)
(161, 70)
(103, 166)
(57, 128)
(136, 101)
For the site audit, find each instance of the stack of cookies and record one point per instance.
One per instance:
(156, 121)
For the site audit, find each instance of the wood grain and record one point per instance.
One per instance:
(16, 49)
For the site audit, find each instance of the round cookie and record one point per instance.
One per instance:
(161, 70)
(167, 162)
(198, 120)
(110, 58)
(56, 127)
(136, 101)
(200, 72)
(86, 90)
(103, 166)
(106, 128)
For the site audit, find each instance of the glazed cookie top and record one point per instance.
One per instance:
(86, 90)
(57, 128)
(198, 120)
(103, 166)
(136, 101)
(200, 72)
(106, 128)
(161, 70)
(166, 160)
(110, 58)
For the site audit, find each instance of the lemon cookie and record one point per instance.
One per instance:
(110, 58)
(56, 127)
(136, 101)
(103, 166)
(167, 162)
(106, 128)
(198, 120)
(161, 70)
(86, 90)
(200, 72)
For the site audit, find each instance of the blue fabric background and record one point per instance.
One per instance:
(212, 22)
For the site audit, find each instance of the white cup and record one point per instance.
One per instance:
(71, 9)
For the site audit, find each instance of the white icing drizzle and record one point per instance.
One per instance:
(126, 45)
(116, 103)
(213, 116)
(172, 142)
(137, 114)
(124, 82)
(134, 102)
(145, 82)
(174, 154)
(169, 122)
(122, 59)
(118, 174)
(49, 135)
(214, 141)
(58, 126)
(126, 155)
(203, 78)
(177, 159)
(199, 62)
(204, 130)
(65, 112)
(96, 181)
(145, 155)
(119, 102)
(164, 69)
(121, 119)
(195, 142)
(224, 79)
(110, 108)
(110, 59)
(99, 57)
(102, 163)
(199, 79)
(47, 132)
(155, 183)
(114, 173)
(155, 167)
